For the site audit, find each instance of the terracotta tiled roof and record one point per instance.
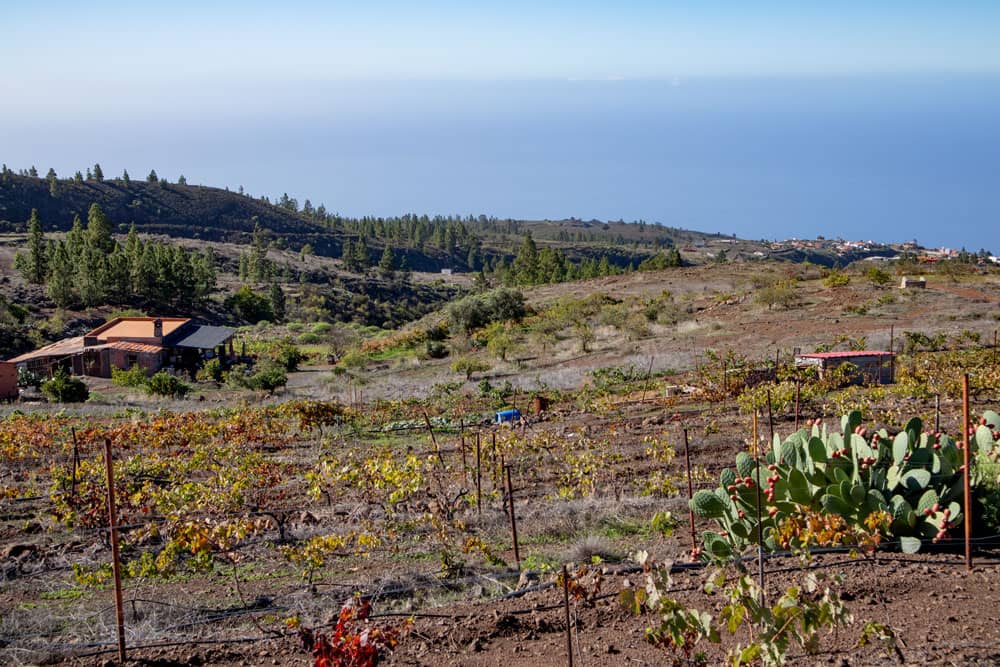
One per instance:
(60, 348)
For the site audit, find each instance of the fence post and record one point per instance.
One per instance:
(967, 473)
(770, 420)
(798, 390)
(465, 463)
(115, 561)
(513, 518)
(479, 476)
(937, 413)
(569, 630)
(760, 534)
(437, 450)
(76, 461)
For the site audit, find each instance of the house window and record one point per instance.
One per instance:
(131, 360)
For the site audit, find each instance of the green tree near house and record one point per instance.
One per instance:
(99, 230)
(61, 277)
(33, 264)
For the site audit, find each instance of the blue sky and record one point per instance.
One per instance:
(767, 119)
(267, 41)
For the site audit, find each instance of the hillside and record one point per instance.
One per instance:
(220, 215)
(192, 211)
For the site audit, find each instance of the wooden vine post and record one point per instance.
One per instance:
(479, 475)
(76, 461)
(115, 560)
(967, 473)
(465, 463)
(513, 518)
(569, 630)
(437, 450)
(798, 394)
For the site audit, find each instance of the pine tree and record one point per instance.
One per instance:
(53, 183)
(91, 277)
(526, 262)
(152, 178)
(35, 265)
(76, 240)
(118, 280)
(78, 177)
(347, 255)
(204, 274)
(361, 257)
(181, 180)
(125, 178)
(144, 274)
(33, 172)
(387, 265)
(99, 230)
(98, 174)
(277, 297)
(60, 284)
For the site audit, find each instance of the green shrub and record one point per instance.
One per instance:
(837, 279)
(295, 327)
(268, 379)
(133, 377)
(163, 383)
(478, 310)
(468, 366)
(249, 306)
(285, 354)
(308, 339)
(436, 349)
(211, 371)
(65, 389)
(322, 328)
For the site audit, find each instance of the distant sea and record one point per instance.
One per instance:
(881, 158)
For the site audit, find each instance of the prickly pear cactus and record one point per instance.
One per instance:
(914, 476)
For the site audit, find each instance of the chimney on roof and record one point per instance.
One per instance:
(157, 328)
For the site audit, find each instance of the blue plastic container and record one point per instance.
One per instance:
(508, 416)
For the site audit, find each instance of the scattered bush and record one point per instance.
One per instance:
(268, 378)
(836, 279)
(436, 349)
(478, 310)
(468, 366)
(308, 339)
(321, 328)
(877, 276)
(211, 371)
(163, 383)
(249, 306)
(65, 389)
(133, 377)
(285, 354)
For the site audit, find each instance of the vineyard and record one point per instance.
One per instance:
(316, 531)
